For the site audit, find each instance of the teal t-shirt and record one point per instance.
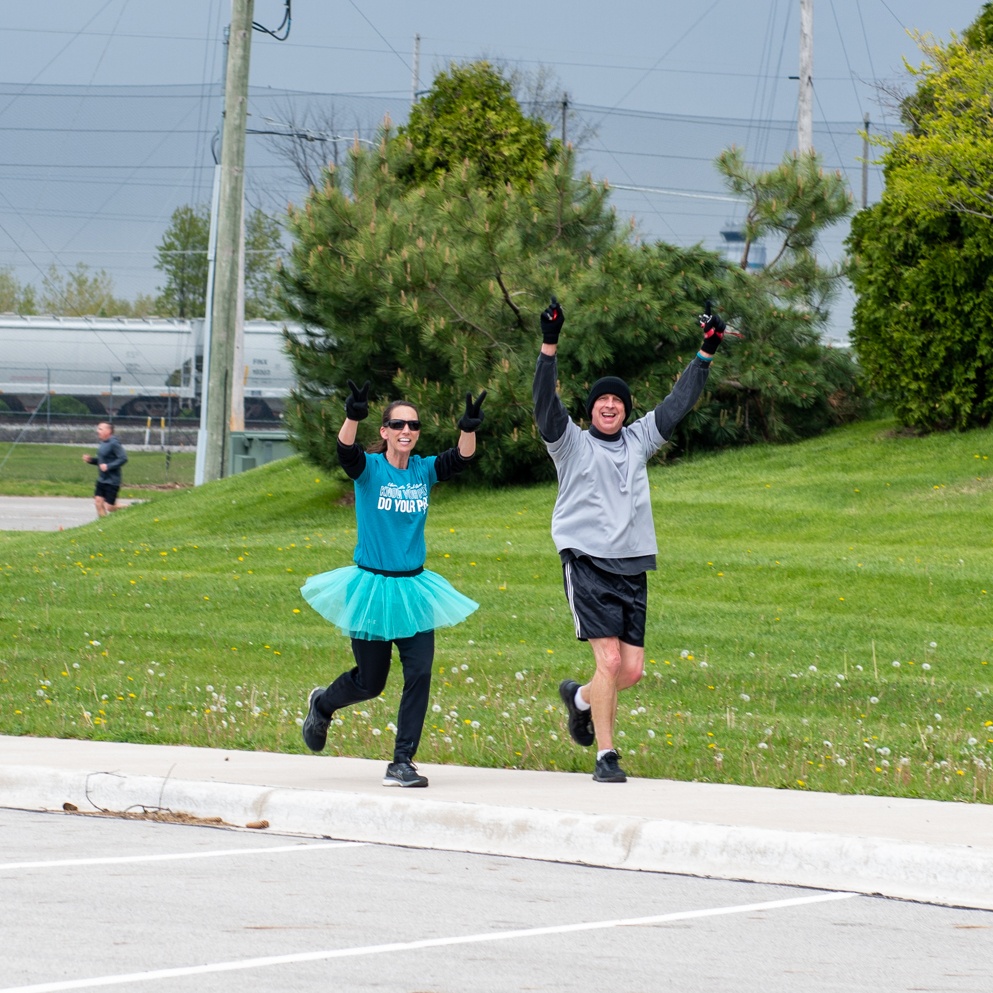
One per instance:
(391, 508)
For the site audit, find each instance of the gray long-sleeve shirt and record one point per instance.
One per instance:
(603, 510)
(110, 453)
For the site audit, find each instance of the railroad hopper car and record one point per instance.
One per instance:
(131, 367)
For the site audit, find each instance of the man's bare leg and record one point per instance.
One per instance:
(618, 666)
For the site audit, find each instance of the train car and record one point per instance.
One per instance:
(268, 372)
(131, 367)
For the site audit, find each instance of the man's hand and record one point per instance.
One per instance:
(357, 403)
(713, 330)
(88, 459)
(473, 415)
(551, 323)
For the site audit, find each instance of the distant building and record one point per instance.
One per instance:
(734, 247)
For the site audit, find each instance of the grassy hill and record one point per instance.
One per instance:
(821, 619)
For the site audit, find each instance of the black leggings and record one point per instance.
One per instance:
(368, 679)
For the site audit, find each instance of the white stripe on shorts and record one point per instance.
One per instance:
(569, 596)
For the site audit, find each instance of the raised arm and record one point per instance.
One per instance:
(350, 455)
(549, 412)
(690, 384)
(469, 423)
(455, 459)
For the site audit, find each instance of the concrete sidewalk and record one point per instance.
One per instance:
(911, 849)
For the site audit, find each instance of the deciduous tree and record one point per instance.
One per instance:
(182, 257)
(15, 297)
(81, 292)
(921, 260)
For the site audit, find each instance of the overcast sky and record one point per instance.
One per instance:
(627, 64)
(714, 57)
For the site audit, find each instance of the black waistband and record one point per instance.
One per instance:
(386, 572)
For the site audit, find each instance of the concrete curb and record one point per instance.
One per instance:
(952, 875)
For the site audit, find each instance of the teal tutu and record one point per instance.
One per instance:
(367, 605)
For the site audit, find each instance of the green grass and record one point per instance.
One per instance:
(821, 619)
(59, 470)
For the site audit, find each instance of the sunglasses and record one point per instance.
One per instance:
(398, 425)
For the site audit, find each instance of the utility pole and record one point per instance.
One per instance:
(865, 161)
(225, 317)
(415, 82)
(565, 114)
(805, 104)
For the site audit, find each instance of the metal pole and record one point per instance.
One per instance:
(199, 471)
(237, 421)
(565, 112)
(229, 226)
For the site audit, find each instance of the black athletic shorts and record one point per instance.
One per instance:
(606, 604)
(108, 492)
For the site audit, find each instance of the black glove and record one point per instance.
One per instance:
(357, 403)
(473, 415)
(713, 330)
(551, 323)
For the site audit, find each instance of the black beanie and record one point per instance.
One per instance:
(609, 384)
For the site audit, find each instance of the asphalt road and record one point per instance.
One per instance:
(94, 903)
(22, 513)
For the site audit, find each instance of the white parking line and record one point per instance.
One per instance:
(407, 946)
(119, 859)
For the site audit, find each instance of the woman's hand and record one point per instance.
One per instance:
(473, 415)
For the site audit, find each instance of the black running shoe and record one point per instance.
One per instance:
(580, 721)
(403, 774)
(607, 769)
(315, 725)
